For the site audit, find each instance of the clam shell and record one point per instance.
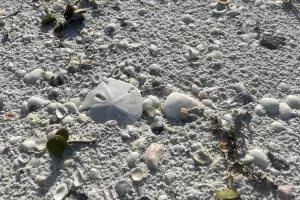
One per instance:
(137, 174)
(153, 155)
(60, 112)
(200, 157)
(60, 192)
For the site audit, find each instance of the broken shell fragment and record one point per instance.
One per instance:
(153, 155)
(137, 174)
(200, 157)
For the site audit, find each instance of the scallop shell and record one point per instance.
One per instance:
(137, 174)
(114, 100)
(153, 155)
(175, 102)
(60, 192)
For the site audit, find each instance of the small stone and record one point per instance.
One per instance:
(260, 111)
(154, 69)
(110, 27)
(233, 13)
(207, 102)
(68, 163)
(285, 111)
(187, 19)
(213, 47)
(82, 118)
(94, 173)
(130, 70)
(214, 55)
(33, 76)
(216, 31)
(40, 180)
(67, 120)
(279, 127)
(271, 105)
(169, 178)
(15, 139)
(51, 107)
(142, 12)
(34, 103)
(155, 101)
(163, 197)
(293, 101)
(20, 73)
(76, 101)
(132, 159)
(71, 107)
(260, 158)
(28, 145)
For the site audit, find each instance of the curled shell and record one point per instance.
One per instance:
(137, 174)
(153, 155)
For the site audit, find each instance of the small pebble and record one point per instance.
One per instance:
(293, 101)
(279, 127)
(157, 128)
(260, 111)
(15, 139)
(154, 69)
(34, 103)
(33, 76)
(217, 55)
(142, 12)
(93, 173)
(82, 118)
(110, 27)
(132, 159)
(67, 120)
(260, 158)
(155, 101)
(71, 107)
(40, 180)
(187, 19)
(28, 145)
(271, 105)
(285, 111)
(60, 192)
(51, 107)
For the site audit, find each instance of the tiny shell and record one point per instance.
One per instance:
(60, 192)
(137, 174)
(60, 112)
(153, 155)
(78, 179)
(200, 157)
(285, 191)
(132, 159)
(23, 158)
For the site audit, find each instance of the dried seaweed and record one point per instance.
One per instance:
(277, 162)
(272, 42)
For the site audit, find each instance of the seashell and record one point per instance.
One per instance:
(155, 101)
(15, 139)
(41, 144)
(202, 95)
(184, 113)
(260, 158)
(60, 192)
(23, 158)
(157, 127)
(60, 112)
(34, 162)
(71, 107)
(175, 101)
(40, 180)
(285, 191)
(272, 42)
(153, 155)
(114, 100)
(224, 2)
(271, 105)
(28, 145)
(200, 157)
(169, 178)
(293, 101)
(94, 173)
(145, 197)
(285, 111)
(110, 194)
(279, 127)
(137, 174)
(122, 188)
(187, 85)
(78, 179)
(132, 159)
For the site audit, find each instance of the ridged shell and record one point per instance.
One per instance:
(153, 155)
(175, 101)
(114, 100)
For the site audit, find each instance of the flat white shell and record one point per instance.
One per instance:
(175, 101)
(60, 192)
(114, 100)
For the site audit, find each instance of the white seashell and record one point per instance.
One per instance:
(34, 103)
(78, 179)
(77, 101)
(60, 112)
(260, 158)
(34, 162)
(67, 120)
(71, 107)
(169, 178)
(259, 110)
(82, 118)
(60, 192)
(285, 111)
(293, 101)
(94, 173)
(137, 174)
(114, 100)
(201, 157)
(155, 101)
(147, 103)
(23, 158)
(175, 101)
(271, 105)
(279, 127)
(40, 180)
(51, 107)
(163, 197)
(28, 145)
(207, 102)
(132, 159)
(15, 139)
(153, 155)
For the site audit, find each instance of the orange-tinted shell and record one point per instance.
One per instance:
(153, 155)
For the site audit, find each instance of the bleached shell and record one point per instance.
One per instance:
(132, 159)
(293, 101)
(259, 110)
(23, 158)
(278, 126)
(271, 105)
(78, 179)
(137, 174)
(71, 107)
(260, 158)
(60, 192)
(175, 101)
(153, 155)
(285, 111)
(114, 100)
(60, 112)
